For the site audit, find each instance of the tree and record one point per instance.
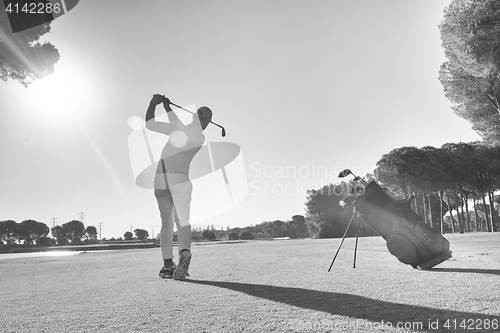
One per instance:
(208, 234)
(22, 233)
(233, 236)
(57, 233)
(324, 214)
(141, 234)
(10, 231)
(33, 230)
(470, 33)
(3, 232)
(486, 176)
(73, 231)
(91, 233)
(246, 234)
(22, 57)
(45, 241)
(299, 222)
(128, 235)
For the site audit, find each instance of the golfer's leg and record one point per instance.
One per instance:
(183, 235)
(181, 195)
(166, 206)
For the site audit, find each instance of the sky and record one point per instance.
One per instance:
(304, 89)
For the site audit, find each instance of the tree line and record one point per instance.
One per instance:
(447, 178)
(31, 232)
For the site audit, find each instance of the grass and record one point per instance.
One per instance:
(256, 286)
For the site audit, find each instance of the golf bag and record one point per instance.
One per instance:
(408, 238)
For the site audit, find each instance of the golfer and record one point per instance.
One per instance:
(172, 186)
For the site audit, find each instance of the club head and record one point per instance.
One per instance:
(344, 173)
(223, 132)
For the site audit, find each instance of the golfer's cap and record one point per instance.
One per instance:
(205, 113)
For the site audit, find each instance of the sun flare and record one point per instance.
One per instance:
(56, 91)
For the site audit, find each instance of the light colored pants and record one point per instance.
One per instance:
(174, 201)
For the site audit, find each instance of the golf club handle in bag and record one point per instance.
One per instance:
(408, 237)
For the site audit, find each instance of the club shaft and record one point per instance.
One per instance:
(180, 107)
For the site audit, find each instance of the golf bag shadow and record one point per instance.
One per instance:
(408, 238)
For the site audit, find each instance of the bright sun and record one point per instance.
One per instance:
(56, 91)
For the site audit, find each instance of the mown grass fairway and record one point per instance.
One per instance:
(257, 286)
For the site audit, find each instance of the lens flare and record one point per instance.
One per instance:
(178, 139)
(135, 122)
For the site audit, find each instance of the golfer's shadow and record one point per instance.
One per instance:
(353, 306)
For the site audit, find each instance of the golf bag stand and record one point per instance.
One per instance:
(354, 213)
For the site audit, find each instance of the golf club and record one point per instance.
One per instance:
(180, 107)
(347, 172)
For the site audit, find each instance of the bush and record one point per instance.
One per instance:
(46, 241)
(208, 234)
(234, 236)
(246, 234)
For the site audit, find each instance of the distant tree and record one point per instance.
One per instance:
(10, 231)
(237, 230)
(141, 234)
(299, 226)
(246, 234)
(128, 235)
(208, 234)
(57, 233)
(91, 233)
(323, 210)
(46, 241)
(73, 231)
(34, 230)
(22, 57)
(486, 177)
(22, 233)
(234, 236)
(3, 231)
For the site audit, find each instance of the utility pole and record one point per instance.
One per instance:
(131, 227)
(82, 216)
(54, 220)
(100, 229)
(153, 230)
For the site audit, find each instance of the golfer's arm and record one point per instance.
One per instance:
(172, 117)
(153, 125)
